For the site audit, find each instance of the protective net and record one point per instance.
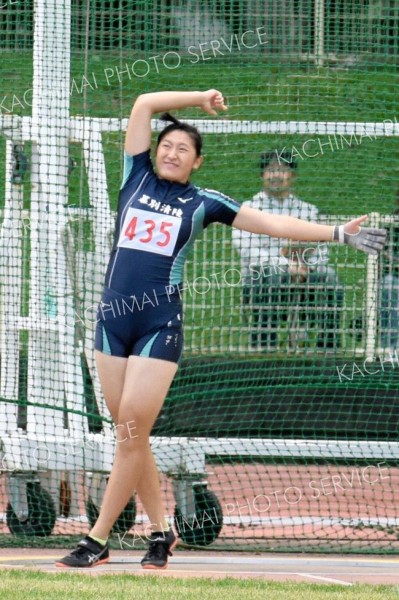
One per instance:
(280, 429)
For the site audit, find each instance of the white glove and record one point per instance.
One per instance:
(367, 239)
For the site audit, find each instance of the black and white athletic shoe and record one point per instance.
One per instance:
(88, 553)
(160, 548)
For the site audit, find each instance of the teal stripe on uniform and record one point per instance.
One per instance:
(219, 198)
(148, 347)
(127, 167)
(176, 272)
(106, 346)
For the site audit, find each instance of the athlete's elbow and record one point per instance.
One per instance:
(142, 109)
(145, 102)
(140, 101)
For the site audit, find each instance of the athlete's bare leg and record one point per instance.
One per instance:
(134, 389)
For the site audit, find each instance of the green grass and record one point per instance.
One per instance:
(255, 88)
(361, 177)
(20, 585)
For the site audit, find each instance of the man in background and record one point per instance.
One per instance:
(283, 278)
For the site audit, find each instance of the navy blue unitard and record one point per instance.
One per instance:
(140, 312)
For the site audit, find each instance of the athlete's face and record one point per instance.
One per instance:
(176, 157)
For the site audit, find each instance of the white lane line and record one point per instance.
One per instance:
(328, 579)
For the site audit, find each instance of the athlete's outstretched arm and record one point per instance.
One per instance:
(282, 226)
(138, 135)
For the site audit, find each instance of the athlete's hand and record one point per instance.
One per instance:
(212, 102)
(367, 239)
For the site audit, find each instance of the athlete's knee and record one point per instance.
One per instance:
(126, 434)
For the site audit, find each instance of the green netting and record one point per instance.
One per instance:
(280, 430)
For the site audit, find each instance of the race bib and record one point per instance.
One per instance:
(150, 232)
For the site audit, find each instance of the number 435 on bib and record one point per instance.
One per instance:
(149, 232)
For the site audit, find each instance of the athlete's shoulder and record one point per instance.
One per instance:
(136, 165)
(218, 207)
(213, 194)
(208, 194)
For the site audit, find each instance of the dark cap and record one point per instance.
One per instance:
(283, 158)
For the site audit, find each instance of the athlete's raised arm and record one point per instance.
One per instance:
(367, 239)
(138, 134)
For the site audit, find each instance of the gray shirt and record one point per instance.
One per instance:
(256, 249)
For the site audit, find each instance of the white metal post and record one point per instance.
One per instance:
(372, 294)
(319, 20)
(11, 295)
(52, 360)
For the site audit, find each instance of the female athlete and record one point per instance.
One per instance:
(139, 330)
